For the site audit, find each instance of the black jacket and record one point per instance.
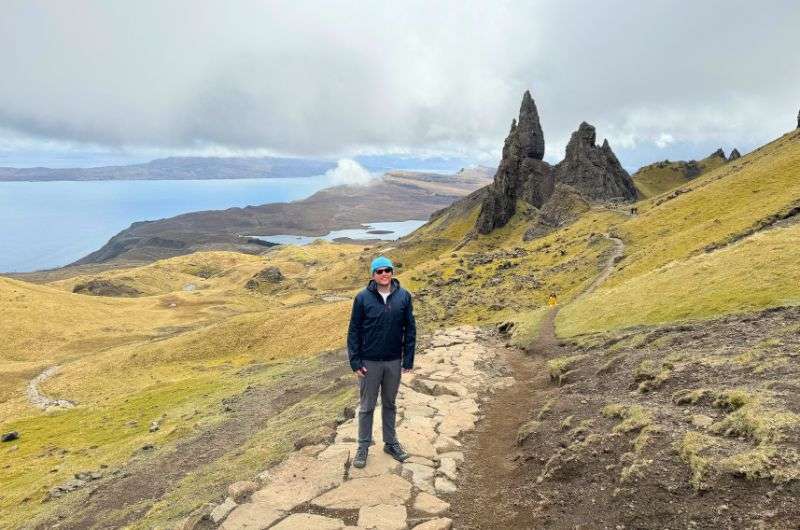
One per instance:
(382, 331)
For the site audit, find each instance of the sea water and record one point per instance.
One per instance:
(50, 224)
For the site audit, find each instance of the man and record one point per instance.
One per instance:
(380, 343)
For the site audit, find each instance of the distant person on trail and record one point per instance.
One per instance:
(380, 344)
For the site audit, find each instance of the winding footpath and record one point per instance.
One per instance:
(493, 454)
(37, 399)
(316, 487)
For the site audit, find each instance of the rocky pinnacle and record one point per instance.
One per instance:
(521, 173)
(734, 155)
(529, 130)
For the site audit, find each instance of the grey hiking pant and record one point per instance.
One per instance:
(383, 376)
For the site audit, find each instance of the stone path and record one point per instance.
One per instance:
(316, 487)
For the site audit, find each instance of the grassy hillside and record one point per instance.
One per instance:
(660, 177)
(715, 245)
(170, 356)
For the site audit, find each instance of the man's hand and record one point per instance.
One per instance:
(362, 372)
(406, 370)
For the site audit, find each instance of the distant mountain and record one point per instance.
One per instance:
(179, 168)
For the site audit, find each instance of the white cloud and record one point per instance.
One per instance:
(663, 140)
(349, 172)
(343, 77)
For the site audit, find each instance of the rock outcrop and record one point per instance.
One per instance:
(593, 172)
(734, 155)
(522, 174)
(719, 153)
(798, 119)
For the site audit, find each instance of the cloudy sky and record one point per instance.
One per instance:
(91, 83)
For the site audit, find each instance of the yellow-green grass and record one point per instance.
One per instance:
(171, 352)
(564, 261)
(100, 435)
(661, 177)
(760, 271)
(716, 206)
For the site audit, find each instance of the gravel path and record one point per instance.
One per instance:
(37, 399)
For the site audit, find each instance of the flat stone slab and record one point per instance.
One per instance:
(378, 463)
(420, 460)
(251, 516)
(442, 523)
(421, 476)
(383, 517)
(415, 443)
(306, 521)
(221, 511)
(430, 504)
(443, 485)
(418, 410)
(444, 444)
(369, 491)
(300, 478)
(447, 467)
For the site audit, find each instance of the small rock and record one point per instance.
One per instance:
(702, 421)
(444, 485)
(10, 436)
(219, 513)
(154, 426)
(240, 491)
(430, 504)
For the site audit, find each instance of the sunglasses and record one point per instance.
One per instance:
(386, 270)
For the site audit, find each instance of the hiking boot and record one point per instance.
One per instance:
(397, 451)
(361, 457)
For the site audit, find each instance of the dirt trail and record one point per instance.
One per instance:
(492, 451)
(37, 399)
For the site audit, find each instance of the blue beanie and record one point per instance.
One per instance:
(380, 261)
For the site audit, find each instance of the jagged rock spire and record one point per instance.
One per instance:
(591, 171)
(529, 130)
(594, 171)
(521, 174)
(720, 153)
(734, 155)
(798, 119)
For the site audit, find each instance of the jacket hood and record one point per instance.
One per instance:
(394, 285)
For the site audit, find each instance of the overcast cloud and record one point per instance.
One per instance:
(337, 79)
